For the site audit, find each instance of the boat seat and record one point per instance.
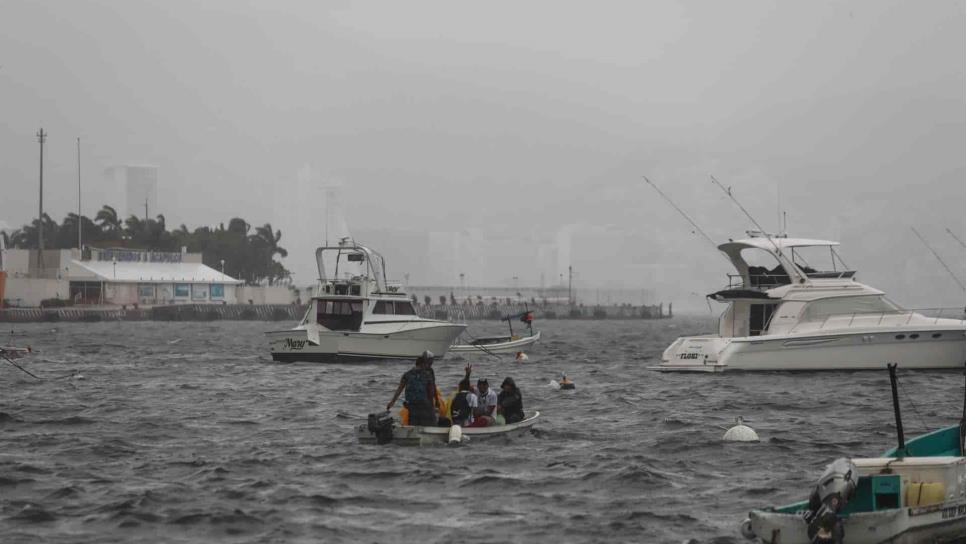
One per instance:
(925, 493)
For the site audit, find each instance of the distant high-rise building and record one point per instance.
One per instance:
(139, 185)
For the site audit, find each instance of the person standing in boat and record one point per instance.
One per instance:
(420, 390)
(510, 401)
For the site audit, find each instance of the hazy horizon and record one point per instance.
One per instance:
(514, 122)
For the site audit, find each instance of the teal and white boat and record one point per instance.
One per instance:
(913, 493)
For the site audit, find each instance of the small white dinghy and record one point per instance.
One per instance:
(406, 435)
(510, 343)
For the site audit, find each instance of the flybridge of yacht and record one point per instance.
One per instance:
(790, 263)
(352, 270)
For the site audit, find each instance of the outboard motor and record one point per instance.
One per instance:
(833, 491)
(381, 425)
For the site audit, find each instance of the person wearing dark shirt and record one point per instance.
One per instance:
(510, 401)
(420, 390)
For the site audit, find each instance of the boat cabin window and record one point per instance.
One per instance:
(340, 315)
(865, 304)
(388, 307)
(350, 289)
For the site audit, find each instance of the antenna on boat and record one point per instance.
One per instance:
(938, 258)
(764, 233)
(680, 211)
(901, 450)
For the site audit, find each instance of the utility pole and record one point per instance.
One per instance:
(80, 223)
(145, 211)
(570, 284)
(41, 137)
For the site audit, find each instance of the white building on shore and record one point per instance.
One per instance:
(118, 277)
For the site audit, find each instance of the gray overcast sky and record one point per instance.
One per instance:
(514, 117)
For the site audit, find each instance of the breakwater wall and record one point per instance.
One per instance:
(294, 312)
(180, 312)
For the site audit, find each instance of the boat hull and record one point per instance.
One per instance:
(427, 436)
(406, 342)
(916, 348)
(510, 346)
(895, 526)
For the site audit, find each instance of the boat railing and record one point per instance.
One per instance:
(757, 281)
(768, 280)
(902, 318)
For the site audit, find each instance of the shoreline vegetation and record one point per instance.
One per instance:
(249, 254)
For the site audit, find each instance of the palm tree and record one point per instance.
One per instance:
(134, 228)
(271, 239)
(108, 221)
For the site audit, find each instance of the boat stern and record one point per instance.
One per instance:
(694, 354)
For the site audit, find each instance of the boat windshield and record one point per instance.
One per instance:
(819, 262)
(864, 304)
(764, 270)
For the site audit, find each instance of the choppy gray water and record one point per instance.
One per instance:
(187, 432)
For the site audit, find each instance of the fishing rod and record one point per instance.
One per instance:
(689, 220)
(680, 211)
(955, 237)
(22, 369)
(761, 229)
(938, 258)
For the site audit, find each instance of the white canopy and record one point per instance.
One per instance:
(769, 245)
(133, 272)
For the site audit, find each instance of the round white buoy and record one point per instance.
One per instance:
(740, 433)
(522, 357)
(455, 435)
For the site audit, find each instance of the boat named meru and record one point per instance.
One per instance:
(357, 316)
(793, 317)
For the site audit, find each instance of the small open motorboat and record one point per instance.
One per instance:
(913, 493)
(510, 343)
(407, 435)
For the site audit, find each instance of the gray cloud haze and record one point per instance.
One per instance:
(517, 121)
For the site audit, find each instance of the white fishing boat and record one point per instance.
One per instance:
(357, 316)
(913, 493)
(794, 317)
(510, 343)
(424, 436)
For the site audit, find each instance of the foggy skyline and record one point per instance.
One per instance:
(513, 120)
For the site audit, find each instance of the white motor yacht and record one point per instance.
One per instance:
(794, 317)
(356, 316)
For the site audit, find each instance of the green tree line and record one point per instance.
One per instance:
(249, 254)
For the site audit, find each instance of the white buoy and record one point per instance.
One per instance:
(455, 435)
(740, 433)
(522, 357)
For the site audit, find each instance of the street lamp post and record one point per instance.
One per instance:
(114, 261)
